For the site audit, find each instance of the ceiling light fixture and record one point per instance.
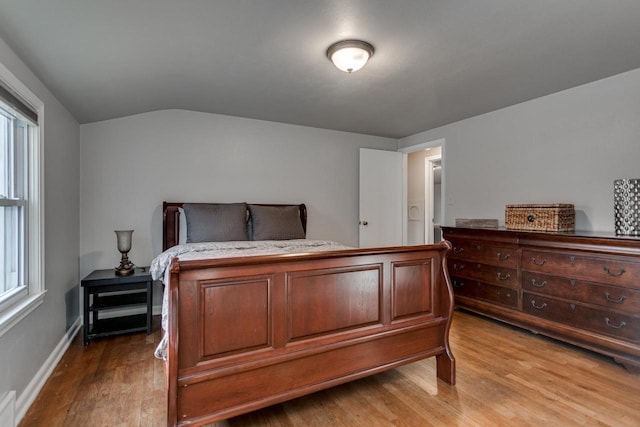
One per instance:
(350, 55)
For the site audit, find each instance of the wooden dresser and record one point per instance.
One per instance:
(582, 287)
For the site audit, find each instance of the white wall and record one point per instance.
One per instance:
(566, 147)
(130, 165)
(26, 347)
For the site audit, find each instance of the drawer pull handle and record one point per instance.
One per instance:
(620, 273)
(617, 301)
(457, 267)
(611, 325)
(457, 250)
(505, 277)
(538, 307)
(457, 284)
(535, 261)
(538, 285)
(503, 257)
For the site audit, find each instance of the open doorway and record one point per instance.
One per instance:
(424, 192)
(433, 197)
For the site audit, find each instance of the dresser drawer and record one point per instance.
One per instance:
(484, 291)
(603, 321)
(620, 299)
(486, 273)
(479, 251)
(612, 271)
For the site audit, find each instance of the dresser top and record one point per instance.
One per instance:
(579, 239)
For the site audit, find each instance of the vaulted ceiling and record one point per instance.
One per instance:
(436, 61)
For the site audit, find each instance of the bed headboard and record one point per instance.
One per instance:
(171, 221)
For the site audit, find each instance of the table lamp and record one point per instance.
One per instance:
(124, 238)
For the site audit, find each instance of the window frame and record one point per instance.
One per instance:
(26, 299)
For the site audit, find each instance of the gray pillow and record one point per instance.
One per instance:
(276, 222)
(216, 222)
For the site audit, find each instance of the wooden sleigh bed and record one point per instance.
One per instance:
(248, 332)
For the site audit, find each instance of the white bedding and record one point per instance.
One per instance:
(208, 250)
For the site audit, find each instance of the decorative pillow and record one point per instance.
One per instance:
(276, 222)
(216, 222)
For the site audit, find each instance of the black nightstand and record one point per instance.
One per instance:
(98, 288)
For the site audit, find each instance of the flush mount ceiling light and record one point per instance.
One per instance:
(350, 55)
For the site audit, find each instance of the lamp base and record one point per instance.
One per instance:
(125, 268)
(124, 271)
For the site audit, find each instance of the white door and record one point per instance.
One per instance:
(380, 198)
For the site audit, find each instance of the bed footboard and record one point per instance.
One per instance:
(246, 333)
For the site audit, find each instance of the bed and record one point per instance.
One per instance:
(248, 331)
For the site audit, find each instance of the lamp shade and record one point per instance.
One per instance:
(350, 55)
(123, 238)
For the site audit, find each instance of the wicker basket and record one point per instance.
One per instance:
(551, 217)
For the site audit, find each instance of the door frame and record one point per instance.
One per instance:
(440, 142)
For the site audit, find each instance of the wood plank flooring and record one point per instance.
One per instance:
(505, 377)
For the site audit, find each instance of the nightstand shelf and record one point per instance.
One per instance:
(105, 302)
(118, 325)
(105, 293)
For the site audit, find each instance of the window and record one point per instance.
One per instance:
(13, 143)
(21, 214)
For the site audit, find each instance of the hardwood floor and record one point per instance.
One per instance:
(505, 377)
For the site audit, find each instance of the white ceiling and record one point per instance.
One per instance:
(436, 61)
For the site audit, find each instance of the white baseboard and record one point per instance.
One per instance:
(30, 393)
(8, 410)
